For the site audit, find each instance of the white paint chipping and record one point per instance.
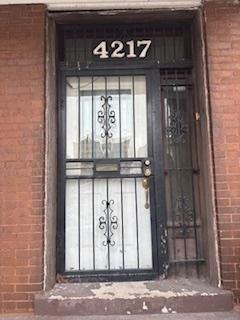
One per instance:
(145, 307)
(164, 310)
(128, 291)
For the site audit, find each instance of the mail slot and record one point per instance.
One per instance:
(107, 167)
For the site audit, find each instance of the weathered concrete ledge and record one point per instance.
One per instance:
(150, 297)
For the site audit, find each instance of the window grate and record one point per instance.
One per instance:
(181, 170)
(170, 43)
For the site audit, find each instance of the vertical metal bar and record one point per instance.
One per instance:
(79, 139)
(62, 48)
(93, 217)
(135, 184)
(120, 117)
(170, 175)
(192, 133)
(164, 46)
(123, 253)
(75, 47)
(108, 224)
(176, 168)
(134, 128)
(120, 137)
(61, 223)
(180, 178)
(106, 117)
(85, 46)
(79, 119)
(79, 227)
(93, 202)
(174, 45)
(157, 188)
(92, 121)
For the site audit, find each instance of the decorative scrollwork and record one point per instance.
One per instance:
(108, 222)
(184, 218)
(177, 128)
(106, 117)
(183, 214)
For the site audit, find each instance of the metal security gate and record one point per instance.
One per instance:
(128, 187)
(109, 214)
(108, 218)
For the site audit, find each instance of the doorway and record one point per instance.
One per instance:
(126, 108)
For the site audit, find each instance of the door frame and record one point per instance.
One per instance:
(157, 196)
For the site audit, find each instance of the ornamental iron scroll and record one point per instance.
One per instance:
(183, 214)
(108, 222)
(106, 117)
(177, 128)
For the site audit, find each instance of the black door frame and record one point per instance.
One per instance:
(155, 145)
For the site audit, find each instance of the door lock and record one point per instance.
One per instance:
(147, 162)
(147, 172)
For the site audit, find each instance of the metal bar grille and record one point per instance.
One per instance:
(181, 171)
(170, 43)
(108, 225)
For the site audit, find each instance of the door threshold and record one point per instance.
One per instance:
(106, 277)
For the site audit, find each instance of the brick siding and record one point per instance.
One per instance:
(21, 155)
(223, 49)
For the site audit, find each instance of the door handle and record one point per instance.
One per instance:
(146, 186)
(146, 182)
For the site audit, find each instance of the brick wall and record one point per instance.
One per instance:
(22, 146)
(21, 155)
(223, 46)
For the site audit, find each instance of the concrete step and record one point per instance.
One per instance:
(231, 315)
(127, 298)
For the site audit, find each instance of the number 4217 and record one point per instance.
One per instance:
(118, 49)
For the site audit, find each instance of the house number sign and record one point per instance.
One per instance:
(120, 49)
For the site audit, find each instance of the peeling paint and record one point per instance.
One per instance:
(131, 291)
(145, 307)
(166, 297)
(164, 310)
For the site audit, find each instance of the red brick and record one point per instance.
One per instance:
(28, 287)
(223, 43)
(228, 267)
(22, 32)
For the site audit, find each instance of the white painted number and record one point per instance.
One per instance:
(118, 46)
(145, 43)
(101, 50)
(131, 49)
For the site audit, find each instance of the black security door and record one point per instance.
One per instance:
(109, 214)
